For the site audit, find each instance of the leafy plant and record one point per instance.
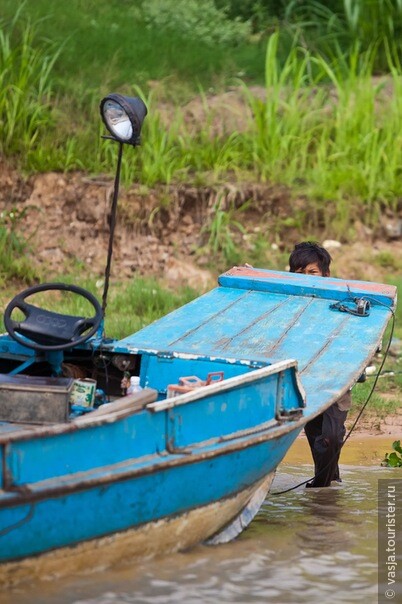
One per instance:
(200, 20)
(394, 459)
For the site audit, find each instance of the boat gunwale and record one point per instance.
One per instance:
(240, 277)
(21, 495)
(84, 422)
(79, 423)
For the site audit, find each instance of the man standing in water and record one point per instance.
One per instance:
(325, 433)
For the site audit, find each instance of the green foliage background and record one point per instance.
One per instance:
(328, 126)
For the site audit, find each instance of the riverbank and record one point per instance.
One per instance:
(361, 448)
(374, 423)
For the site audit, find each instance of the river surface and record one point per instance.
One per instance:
(306, 545)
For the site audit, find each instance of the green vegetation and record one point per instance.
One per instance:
(383, 402)
(140, 302)
(394, 459)
(328, 126)
(220, 231)
(386, 397)
(25, 90)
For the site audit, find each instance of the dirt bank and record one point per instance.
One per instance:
(372, 424)
(66, 218)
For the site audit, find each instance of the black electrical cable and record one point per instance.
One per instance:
(377, 376)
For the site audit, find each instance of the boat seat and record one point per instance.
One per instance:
(131, 402)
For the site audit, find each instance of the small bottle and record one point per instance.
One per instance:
(134, 385)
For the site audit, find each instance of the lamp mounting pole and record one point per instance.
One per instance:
(112, 227)
(123, 117)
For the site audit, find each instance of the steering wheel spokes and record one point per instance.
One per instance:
(46, 330)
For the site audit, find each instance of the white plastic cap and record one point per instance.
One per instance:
(134, 380)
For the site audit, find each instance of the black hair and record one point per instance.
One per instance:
(309, 252)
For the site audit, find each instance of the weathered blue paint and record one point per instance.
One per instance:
(125, 466)
(266, 316)
(123, 504)
(48, 456)
(158, 477)
(327, 288)
(162, 369)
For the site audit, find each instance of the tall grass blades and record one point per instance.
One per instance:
(222, 231)
(325, 123)
(375, 21)
(14, 263)
(25, 89)
(326, 127)
(330, 28)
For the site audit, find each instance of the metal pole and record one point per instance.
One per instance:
(112, 227)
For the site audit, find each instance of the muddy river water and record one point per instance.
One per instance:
(306, 545)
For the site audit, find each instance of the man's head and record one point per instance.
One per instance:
(310, 258)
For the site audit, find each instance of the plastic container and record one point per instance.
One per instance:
(134, 385)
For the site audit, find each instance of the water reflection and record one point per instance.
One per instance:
(326, 521)
(306, 545)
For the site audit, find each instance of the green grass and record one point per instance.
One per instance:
(140, 302)
(15, 264)
(25, 89)
(388, 390)
(324, 129)
(382, 402)
(106, 44)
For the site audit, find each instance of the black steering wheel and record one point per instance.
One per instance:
(47, 330)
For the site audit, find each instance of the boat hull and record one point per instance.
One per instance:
(166, 535)
(146, 502)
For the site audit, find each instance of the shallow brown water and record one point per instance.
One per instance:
(315, 545)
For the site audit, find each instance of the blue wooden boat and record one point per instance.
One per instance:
(186, 459)
(227, 383)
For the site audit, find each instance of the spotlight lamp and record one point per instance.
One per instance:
(123, 117)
